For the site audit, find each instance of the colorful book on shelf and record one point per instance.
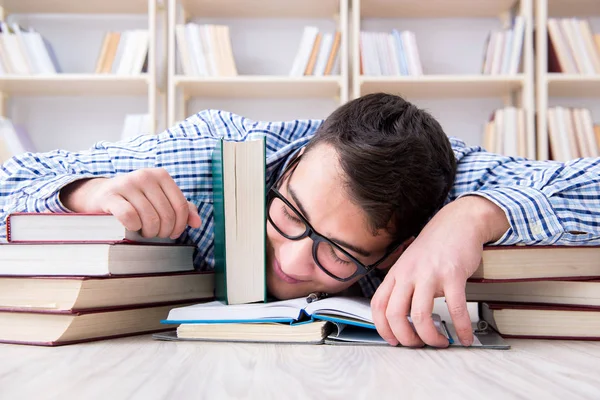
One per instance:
(86, 293)
(54, 328)
(240, 220)
(333, 320)
(539, 321)
(503, 263)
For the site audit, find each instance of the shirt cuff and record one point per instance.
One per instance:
(48, 192)
(529, 212)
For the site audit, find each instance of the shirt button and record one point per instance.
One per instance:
(536, 228)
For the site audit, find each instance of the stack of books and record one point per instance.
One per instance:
(572, 133)
(572, 47)
(67, 278)
(25, 52)
(14, 140)
(124, 53)
(385, 54)
(205, 50)
(505, 132)
(318, 53)
(503, 49)
(539, 291)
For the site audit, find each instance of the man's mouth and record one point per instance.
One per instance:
(282, 275)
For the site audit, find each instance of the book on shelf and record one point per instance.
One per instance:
(24, 51)
(124, 53)
(504, 48)
(542, 321)
(572, 134)
(240, 220)
(333, 320)
(53, 328)
(85, 293)
(389, 54)
(136, 125)
(503, 263)
(505, 132)
(205, 50)
(572, 46)
(317, 54)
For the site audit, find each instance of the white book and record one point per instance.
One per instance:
(364, 54)
(588, 66)
(563, 137)
(37, 61)
(409, 42)
(27, 57)
(508, 39)
(498, 49)
(140, 52)
(499, 125)
(209, 45)
(120, 52)
(588, 126)
(13, 50)
(393, 52)
(309, 35)
(323, 56)
(41, 52)
(131, 43)
(373, 58)
(183, 49)
(383, 53)
(192, 37)
(510, 132)
(517, 45)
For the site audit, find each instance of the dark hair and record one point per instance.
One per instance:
(398, 162)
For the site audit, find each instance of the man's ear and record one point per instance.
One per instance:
(391, 260)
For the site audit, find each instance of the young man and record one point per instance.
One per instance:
(348, 195)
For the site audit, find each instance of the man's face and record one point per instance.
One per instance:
(316, 186)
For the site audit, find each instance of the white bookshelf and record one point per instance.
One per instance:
(558, 84)
(85, 84)
(514, 90)
(182, 88)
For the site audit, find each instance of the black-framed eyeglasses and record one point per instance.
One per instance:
(330, 257)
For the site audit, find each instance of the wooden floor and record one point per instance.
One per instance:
(143, 368)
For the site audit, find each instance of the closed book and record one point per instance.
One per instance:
(71, 227)
(538, 262)
(239, 221)
(80, 293)
(93, 259)
(53, 328)
(537, 321)
(558, 292)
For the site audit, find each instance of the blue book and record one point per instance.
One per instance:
(402, 61)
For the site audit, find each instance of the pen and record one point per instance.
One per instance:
(315, 296)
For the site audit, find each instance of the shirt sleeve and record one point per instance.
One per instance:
(31, 182)
(545, 202)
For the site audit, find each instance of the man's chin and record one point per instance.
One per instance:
(283, 291)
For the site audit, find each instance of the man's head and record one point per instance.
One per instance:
(374, 173)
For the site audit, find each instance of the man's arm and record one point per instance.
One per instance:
(545, 202)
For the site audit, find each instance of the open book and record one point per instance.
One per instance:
(334, 320)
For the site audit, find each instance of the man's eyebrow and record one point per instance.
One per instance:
(342, 243)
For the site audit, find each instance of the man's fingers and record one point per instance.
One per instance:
(422, 307)
(193, 217)
(179, 205)
(148, 215)
(125, 213)
(397, 312)
(457, 307)
(379, 305)
(156, 196)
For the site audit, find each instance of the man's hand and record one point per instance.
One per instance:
(438, 263)
(147, 199)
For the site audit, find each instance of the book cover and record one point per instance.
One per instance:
(219, 223)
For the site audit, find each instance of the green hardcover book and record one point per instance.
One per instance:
(240, 221)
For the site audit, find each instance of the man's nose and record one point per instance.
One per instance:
(296, 258)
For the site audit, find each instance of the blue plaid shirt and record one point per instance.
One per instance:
(546, 202)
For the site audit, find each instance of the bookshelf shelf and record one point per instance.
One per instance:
(260, 86)
(573, 8)
(75, 85)
(75, 6)
(448, 86)
(261, 8)
(571, 85)
(434, 8)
